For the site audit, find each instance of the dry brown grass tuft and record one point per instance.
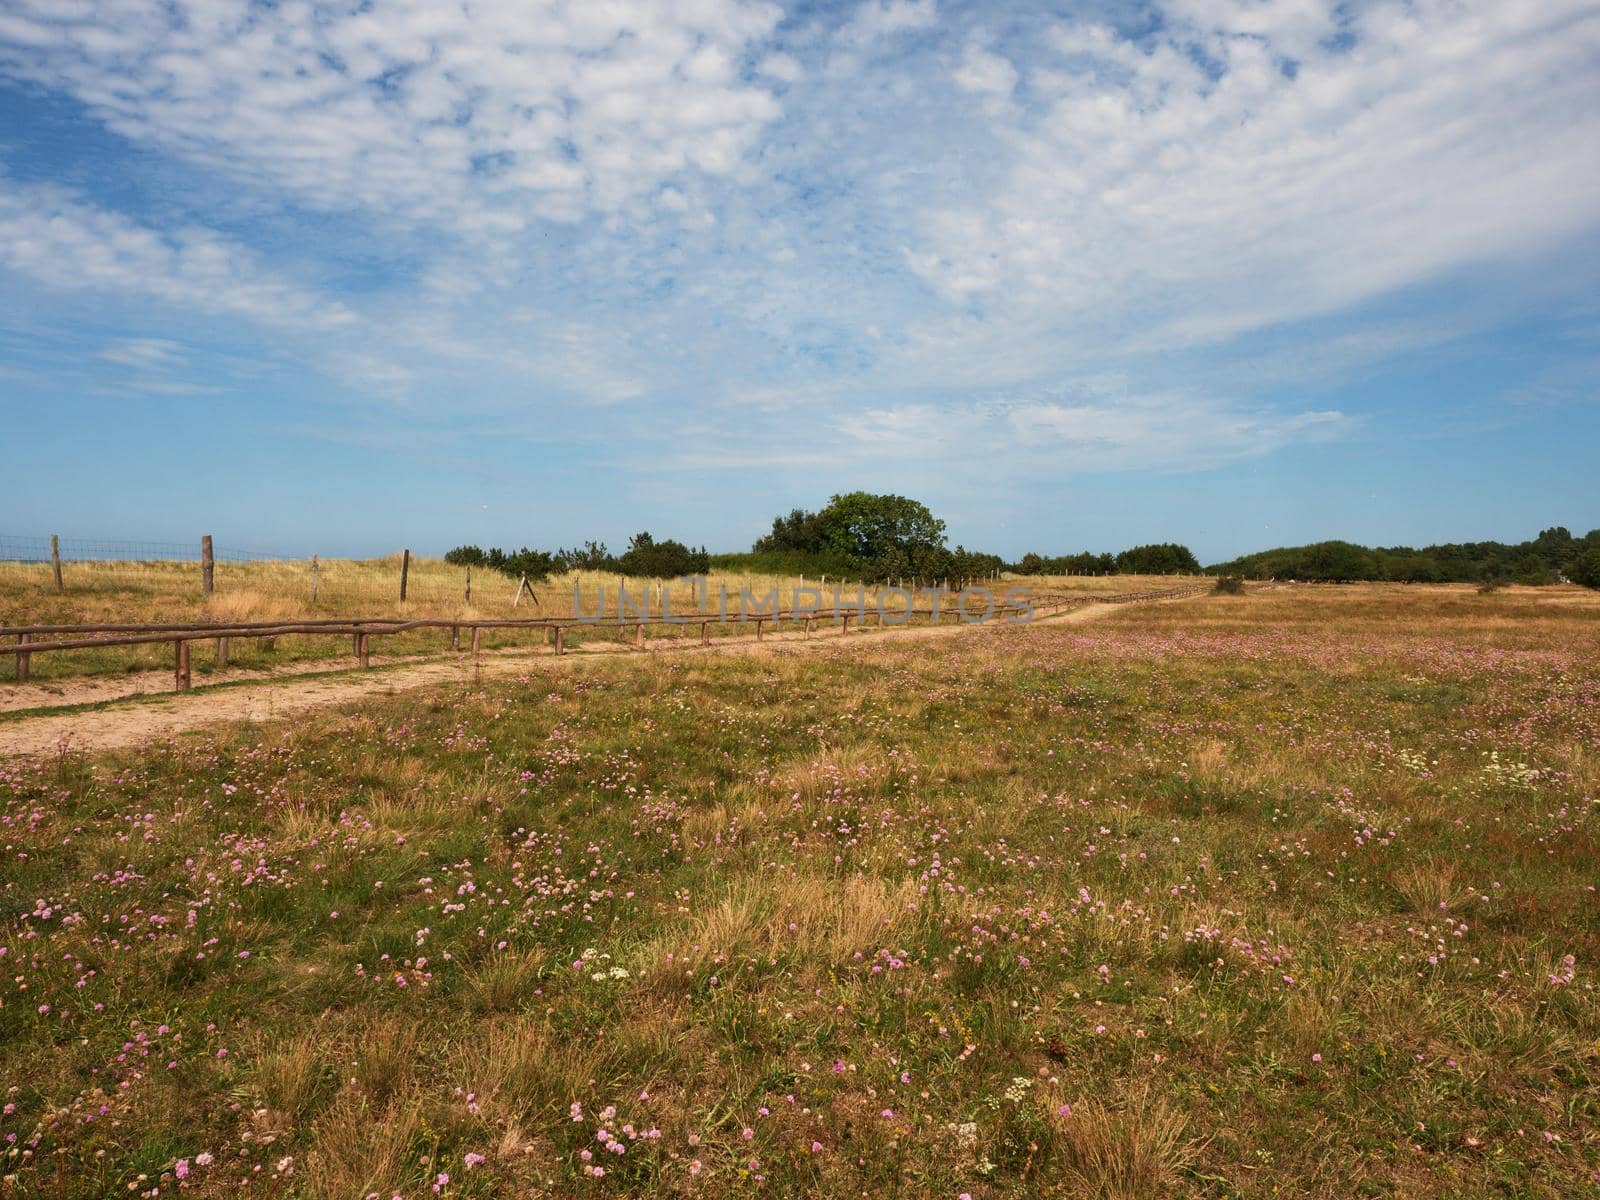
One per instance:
(1132, 1153)
(293, 1078)
(521, 1073)
(506, 982)
(1428, 887)
(387, 1050)
(817, 918)
(357, 1151)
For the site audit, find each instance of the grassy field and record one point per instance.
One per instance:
(1288, 894)
(130, 592)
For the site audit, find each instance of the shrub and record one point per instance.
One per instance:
(1229, 585)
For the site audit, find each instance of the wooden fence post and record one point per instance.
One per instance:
(405, 570)
(760, 626)
(207, 565)
(477, 639)
(314, 580)
(469, 583)
(455, 637)
(222, 652)
(638, 636)
(705, 637)
(55, 559)
(22, 659)
(361, 650)
(181, 654)
(561, 643)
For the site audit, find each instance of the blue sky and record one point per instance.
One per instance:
(337, 278)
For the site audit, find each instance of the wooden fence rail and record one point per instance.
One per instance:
(361, 629)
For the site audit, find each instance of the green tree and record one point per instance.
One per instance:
(866, 527)
(1585, 569)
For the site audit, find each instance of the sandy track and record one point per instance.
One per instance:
(135, 716)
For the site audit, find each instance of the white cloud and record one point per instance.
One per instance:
(149, 354)
(783, 67)
(1293, 176)
(888, 214)
(476, 118)
(986, 73)
(1083, 429)
(67, 244)
(878, 19)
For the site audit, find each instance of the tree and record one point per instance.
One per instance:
(797, 531)
(876, 537)
(1585, 569)
(865, 526)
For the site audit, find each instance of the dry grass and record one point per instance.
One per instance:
(1428, 887)
(798, 917)
(1511, 617)
(293, 1076)
(387, 1048)
(1132, 1152)
(360, 1152)
(257, 591)
(507, 981)
(281, 590)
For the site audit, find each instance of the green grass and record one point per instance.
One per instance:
(1113, 910)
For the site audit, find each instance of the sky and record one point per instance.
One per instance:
(338, 278)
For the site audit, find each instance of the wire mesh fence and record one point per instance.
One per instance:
(15, 548)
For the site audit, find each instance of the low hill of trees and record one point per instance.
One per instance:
(1553, 555)
(1160, 558)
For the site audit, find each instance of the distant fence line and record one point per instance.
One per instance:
(553, 629)
(14, 548)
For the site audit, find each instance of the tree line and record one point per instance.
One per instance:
(1552, 556)
(859, 536)
(1159, 558)
(645, 558)
(877, 539)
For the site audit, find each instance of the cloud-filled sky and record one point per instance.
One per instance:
(337, 277)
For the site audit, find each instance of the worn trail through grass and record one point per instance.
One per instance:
(114, 713)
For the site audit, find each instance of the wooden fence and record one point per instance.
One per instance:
(361, 630)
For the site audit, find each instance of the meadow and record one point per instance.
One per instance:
(1284, 894)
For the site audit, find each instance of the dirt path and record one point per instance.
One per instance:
(135, 716)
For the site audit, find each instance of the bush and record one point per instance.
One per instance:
(466, 556)
(1229, 585)
(647, 558)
